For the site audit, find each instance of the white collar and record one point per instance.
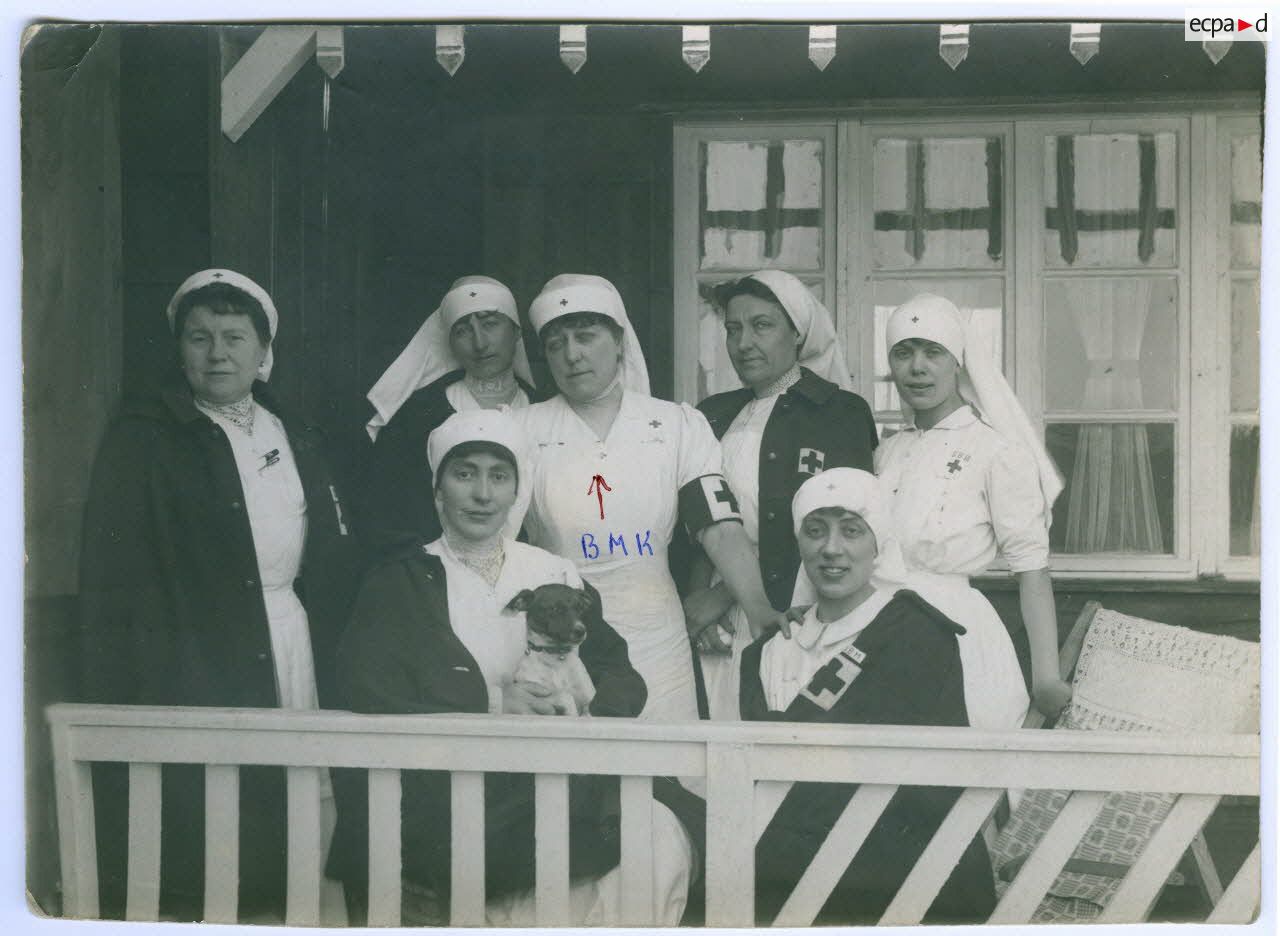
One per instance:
(814, 633)
(963, 415)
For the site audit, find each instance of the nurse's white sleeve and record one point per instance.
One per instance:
(1017, 509)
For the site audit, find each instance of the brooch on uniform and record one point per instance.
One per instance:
(958, 461)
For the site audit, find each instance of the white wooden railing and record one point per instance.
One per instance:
(738, 761)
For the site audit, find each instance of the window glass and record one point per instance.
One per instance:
(1246, 201)
(1110, 200)
(761, 205)
(938, 203)
(1246, 305)
(1111, 344)
(1119, 488)
(1245, 513)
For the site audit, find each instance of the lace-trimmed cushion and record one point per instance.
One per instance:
(1132, 675)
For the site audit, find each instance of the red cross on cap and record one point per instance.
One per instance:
(472, 294)
(217, 276)
(915, 318)
(564, 302)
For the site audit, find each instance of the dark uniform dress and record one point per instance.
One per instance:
(171, 613)
(398, 504)
(904, 670)
(815, 426)
(401, 655)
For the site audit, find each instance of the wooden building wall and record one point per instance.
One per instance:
(72, 354)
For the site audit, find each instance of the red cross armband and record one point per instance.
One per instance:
(707, 500)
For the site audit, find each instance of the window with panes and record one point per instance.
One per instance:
(1073, 245)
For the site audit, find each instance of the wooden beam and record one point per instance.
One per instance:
(252, 84)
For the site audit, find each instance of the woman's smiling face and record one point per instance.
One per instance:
(838, 550)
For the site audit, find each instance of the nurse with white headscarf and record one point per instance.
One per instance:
(795, 416)
(970, 481)
(467, 355)
(216, 569)
(615, 470)
(866, 653)
(435, 629)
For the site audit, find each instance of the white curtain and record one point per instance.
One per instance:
(1112, 504)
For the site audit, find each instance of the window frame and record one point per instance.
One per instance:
(1202, 272)
(1216, 131)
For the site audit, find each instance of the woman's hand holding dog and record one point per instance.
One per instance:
(527, 698)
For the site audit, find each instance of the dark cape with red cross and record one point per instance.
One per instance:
(902, 669)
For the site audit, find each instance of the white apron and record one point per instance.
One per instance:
(652, 449)
(277, 510)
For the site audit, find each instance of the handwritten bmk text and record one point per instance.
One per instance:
(617, 545)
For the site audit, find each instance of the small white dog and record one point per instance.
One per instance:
(555, 630)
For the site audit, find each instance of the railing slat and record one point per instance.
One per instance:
(834, 854)
(384, 848)
(731, 884)
(302, 903)
(939, 859)
(221, 843)
(1045, 862)
(1142, 885)
(467, 832)
(769, 796)
(551, 837)
(1210, 882)
(77, 842)
(1240, 900)
(143, 900)
(637, 851)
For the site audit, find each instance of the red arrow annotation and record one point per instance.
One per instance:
(1242, 25)
(598, 487)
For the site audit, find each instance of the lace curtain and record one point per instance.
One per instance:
(1112, 501)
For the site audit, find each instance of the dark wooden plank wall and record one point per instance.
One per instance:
(585, 194)
(71, 239)
(286, 209)
(72, 340)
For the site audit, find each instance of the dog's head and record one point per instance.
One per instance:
(555, 613)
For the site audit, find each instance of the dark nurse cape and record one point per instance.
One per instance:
(905, 671)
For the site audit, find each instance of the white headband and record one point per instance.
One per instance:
(821, 350)
(484, 425)
(245, 285)
(569, 293)
(930, 318)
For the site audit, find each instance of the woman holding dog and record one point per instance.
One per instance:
(863, 654)
(434, 630)
(467, 355)
(615, 469)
